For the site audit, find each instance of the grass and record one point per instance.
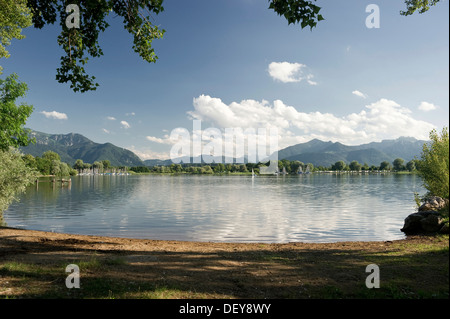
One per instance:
(409, 269)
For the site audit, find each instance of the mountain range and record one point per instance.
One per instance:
(74, 146)
(322, 153)
(71, 147)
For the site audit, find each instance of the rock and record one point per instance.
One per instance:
(422, 222)
(444, 229)
(433, 203)
(431, 223)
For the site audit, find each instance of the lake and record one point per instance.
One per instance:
(272, 209)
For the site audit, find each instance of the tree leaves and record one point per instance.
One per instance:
(80, 43)
(421, 5)
(13, 117)
(14, 16)
(304, 12)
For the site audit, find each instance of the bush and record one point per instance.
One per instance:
(434, 164)
(15, 176)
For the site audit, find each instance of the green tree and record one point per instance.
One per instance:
(51, 156)
(29, 160)
(309, 167)
(385, 166)
(339, 166)
(176, 168)
(98, 165)
(434, 164)
(64, 169)
(295, 165)
(421, 5)
(411, 166)
(398, 164)
(106, 164)
(13, 117)
(80, 43)
(355, 166)
(15, 176)
(79, 164)
(55, 167)
(14, 16)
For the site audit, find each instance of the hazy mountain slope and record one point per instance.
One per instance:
(71, 147)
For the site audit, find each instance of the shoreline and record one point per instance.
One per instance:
(32, 265)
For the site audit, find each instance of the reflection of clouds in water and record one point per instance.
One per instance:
(271, 209)
(312, 208)
(89, 203)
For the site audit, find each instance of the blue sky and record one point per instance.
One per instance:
(237, 63)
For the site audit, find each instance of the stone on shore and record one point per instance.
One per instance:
(433, 203)
(422, 222)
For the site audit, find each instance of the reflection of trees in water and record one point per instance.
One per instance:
(84, 193)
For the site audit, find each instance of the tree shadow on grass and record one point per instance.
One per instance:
(37, 270)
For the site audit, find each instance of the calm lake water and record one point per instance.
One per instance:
(305, 208)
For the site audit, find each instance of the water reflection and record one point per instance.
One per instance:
(308, 208)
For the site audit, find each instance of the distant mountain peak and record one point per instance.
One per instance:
(73, 146)
(322, 153)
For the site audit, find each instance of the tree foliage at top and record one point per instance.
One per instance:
(14, 16)
(81, 43)
(78, 43)
(418, 5)
(303, 12)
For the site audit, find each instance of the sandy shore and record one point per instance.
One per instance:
(139, 268)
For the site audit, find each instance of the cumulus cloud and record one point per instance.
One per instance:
(106, 131)
(165, 140)
(425, 106)
(149, 154)
(55, 115)
(287, 72)
(360, 94)
(125, 124)
(111, 118)
(384, 119)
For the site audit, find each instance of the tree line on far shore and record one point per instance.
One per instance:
(50, 164)
(291, 167)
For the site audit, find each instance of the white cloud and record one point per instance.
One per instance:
(111, 118)
(384, 119)
(55, 115)
(106, 131)
(165, 140)
(130, 114)
(309, 77)
(425, 106)
(289, 72)
(125, 124)
(360, 94)
(148, 154)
